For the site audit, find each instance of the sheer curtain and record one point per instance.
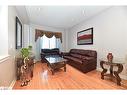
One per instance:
(58, 44)
(45, 42)
(52, 42)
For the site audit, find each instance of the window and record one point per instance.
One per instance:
(48, 42)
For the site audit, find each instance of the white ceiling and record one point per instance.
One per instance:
(22, 13)
(61, 16)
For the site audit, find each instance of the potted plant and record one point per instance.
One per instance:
(30, 51)
(25, 52)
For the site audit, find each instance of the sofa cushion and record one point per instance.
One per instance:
(50, 51)
(92, 54)
(45, 50)
(76, 55)
(67, 57)
(73, 59)
(55, 50)
(84, 52)
(87, 58)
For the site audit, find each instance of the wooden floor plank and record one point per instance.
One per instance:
(71, 79)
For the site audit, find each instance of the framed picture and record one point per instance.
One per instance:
(85, 37)
(18, 34)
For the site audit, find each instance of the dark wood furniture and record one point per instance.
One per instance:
(83, 60)
(20, 62)
(114, 74)
(56, 62)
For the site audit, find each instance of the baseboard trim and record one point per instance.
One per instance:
(12, 84)
(122, 76)
(99, 69)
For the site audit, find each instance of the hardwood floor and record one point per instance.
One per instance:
(71, 79)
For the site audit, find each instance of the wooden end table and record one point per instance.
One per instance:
(113, 74)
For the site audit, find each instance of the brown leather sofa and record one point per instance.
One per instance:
(83, 60)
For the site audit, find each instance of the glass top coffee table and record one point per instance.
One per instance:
(56, 62)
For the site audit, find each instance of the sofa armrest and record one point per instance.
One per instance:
(42, 55)
(88, 60)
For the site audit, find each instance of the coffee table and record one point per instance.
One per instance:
(56, 62)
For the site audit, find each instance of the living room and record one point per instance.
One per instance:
(108, 24)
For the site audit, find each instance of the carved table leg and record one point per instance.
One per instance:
(116, 73)
(104, 70)
(111, 70)
(64, 68)
(52, 72)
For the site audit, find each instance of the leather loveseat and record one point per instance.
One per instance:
(83, 60)
(49, 52)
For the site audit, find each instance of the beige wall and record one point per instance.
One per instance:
(7, 71)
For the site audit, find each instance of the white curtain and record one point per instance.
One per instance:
(58, 44)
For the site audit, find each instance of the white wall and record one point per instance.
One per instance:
(66, 37)
(110, 34)
(3, 31)
(26, 35)
(12, 13)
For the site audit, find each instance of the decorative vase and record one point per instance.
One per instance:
(110, 57)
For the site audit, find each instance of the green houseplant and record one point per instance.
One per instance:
(25, 52)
